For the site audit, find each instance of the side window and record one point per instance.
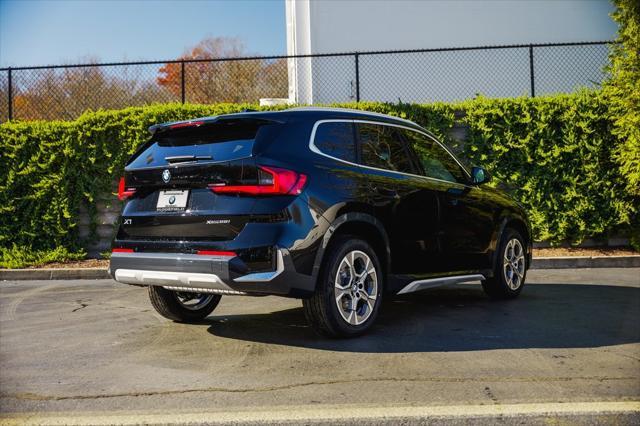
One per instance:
(336, 140)
(436, 161)
(383, 148)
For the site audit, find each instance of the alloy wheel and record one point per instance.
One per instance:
(193, 301)
(513, 264)
(356, 287)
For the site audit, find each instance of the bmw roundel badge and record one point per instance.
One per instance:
(172, 199)
(166, 176)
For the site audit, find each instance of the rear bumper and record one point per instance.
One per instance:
(211, 274)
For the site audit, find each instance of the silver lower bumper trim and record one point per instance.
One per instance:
(185, 280)
(438, 282)
(169, 278)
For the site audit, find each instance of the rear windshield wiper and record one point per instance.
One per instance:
(186, 158)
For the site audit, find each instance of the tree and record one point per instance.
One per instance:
(240, 80)
(65, 93)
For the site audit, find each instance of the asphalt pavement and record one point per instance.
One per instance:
(85, 350)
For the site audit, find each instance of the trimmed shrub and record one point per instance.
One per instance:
(554, 154)
(622, 91)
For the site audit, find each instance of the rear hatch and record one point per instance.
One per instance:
(173, 182)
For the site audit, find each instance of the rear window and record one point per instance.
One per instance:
(222, 141)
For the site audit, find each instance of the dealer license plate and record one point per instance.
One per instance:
(172, 200)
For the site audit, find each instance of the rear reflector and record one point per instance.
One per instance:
(216, 253)
(122, 250)
(123, 191)
(275, 181)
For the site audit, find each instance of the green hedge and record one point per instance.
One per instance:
(554, 153)
(557, 155)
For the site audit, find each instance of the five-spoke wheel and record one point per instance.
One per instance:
(513, 263)
(510, 268)
(356, 287)
(193, 301)
(182, 306)
(349, 289)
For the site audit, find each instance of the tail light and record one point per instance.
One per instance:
(123, 191)
(271, 181)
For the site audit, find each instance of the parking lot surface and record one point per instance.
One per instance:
(87, 347)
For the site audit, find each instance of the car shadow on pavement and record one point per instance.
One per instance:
(463, 319)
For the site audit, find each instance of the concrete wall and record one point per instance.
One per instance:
(348, 26)
(108, 212)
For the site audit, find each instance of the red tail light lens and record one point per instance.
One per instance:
(216, 253)
(123, 191)
(271, 181)
(122, 250)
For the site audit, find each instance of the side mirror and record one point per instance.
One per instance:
(479, 176)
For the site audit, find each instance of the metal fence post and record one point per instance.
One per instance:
(10, 93)
(533, 86)
(182, 80)
(357, 56)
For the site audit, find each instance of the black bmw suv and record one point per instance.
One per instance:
(340, 208)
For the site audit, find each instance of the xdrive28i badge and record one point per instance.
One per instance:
(166, 176)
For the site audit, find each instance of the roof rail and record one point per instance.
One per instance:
(358, 111)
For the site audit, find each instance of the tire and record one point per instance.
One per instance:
(176, 306)
(329, 312)
(508, 276)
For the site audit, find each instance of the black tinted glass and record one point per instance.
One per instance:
(336, 140)
(223, 141)
(436, 161)
(383, 148)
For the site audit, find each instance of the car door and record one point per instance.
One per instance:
(466, 221)
(402, 200)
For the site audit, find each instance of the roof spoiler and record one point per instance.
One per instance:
(197, 122)
(180, 124)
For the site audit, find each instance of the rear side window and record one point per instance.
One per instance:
(435, 160)
(336, 140)
(222, 141)
(383, 147)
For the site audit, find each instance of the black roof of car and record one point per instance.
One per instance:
(311, 113)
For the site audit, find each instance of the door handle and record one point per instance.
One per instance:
(452, 195)
(455, 191)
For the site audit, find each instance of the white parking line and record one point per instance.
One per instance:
(330, 414)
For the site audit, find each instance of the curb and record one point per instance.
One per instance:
(54, 274)
(538, 263)
(570, 262)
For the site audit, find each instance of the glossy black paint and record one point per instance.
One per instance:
(420, 227)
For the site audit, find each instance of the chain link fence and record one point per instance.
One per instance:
(66, 91)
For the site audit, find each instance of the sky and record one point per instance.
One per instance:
(36, 32)
(46, 32)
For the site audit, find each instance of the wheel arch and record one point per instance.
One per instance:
(364, 226)
(518, 223)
